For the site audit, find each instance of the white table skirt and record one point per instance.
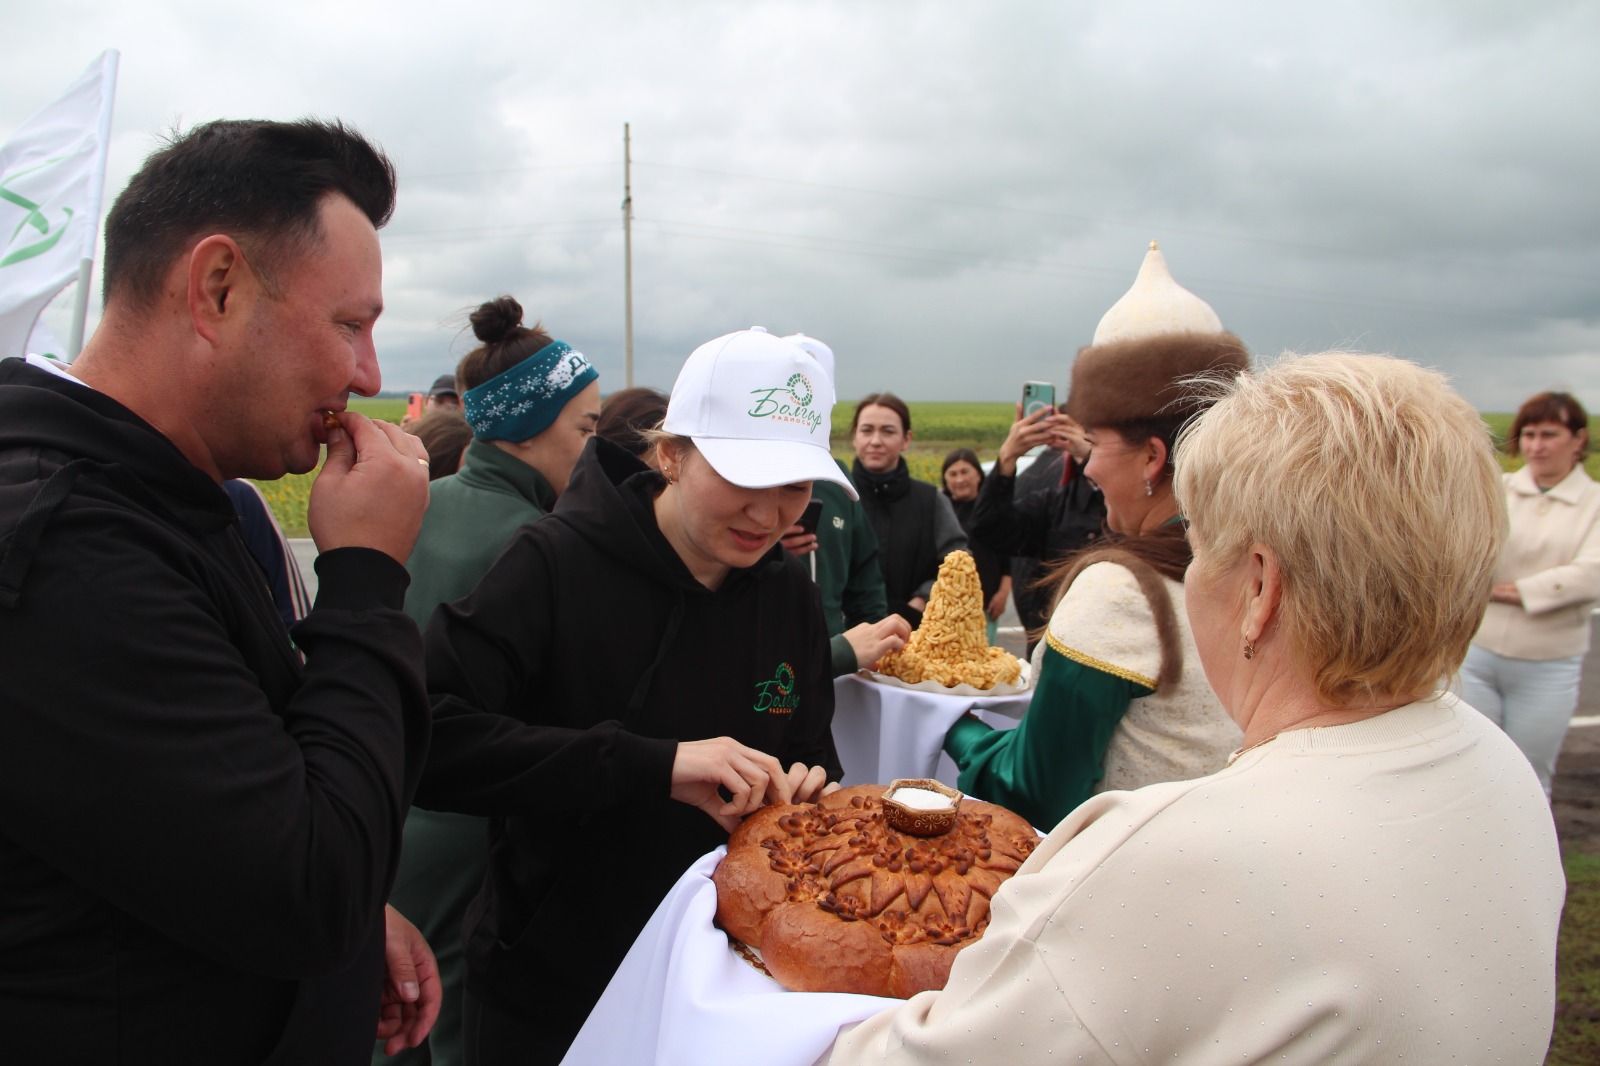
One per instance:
(883, 732)
(681, 996)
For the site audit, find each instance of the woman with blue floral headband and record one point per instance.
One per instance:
(532, 403)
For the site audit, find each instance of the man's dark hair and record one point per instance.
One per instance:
(261, 183)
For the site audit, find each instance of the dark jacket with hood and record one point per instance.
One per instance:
(561, 687)
(197, 831)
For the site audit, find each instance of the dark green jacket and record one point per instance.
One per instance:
(472, 515)
(847, 573)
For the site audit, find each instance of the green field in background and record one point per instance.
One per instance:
(288, 496)
(1576, 1041)
(388, 408)
(936, 430)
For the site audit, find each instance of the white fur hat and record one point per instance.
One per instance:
(1154, 305)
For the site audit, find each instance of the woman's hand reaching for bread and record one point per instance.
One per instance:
(807, 784)
(750, 778)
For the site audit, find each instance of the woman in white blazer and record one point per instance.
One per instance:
(1523, 668)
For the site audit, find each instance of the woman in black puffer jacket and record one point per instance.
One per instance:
(915, 524)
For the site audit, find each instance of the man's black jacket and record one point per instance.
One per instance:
(197, 832)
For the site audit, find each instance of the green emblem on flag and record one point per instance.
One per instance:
(34, 218)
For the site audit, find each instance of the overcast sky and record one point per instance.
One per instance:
(950, 194)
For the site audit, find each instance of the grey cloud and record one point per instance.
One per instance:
(949, 194)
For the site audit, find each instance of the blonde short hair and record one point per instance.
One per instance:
(1375, 484)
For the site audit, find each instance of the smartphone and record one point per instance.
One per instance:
(811, 516)
(414, 406)
(1037, 394)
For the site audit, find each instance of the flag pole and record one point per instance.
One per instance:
(627, 254)
(80, 309)
(97, 187)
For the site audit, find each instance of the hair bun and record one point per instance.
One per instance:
(496, 320)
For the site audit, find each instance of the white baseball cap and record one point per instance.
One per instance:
(816, 349)
(759, 409)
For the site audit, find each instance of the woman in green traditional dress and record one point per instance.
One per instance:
(1120, 701)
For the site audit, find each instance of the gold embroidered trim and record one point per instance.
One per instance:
(1099, 664)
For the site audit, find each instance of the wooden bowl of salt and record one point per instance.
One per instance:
(920, 806)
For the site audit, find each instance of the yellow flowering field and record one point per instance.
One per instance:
(289, 495)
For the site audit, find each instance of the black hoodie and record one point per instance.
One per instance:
(560, 689)
(197, 832)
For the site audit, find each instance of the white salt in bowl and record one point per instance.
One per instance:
(920, 806)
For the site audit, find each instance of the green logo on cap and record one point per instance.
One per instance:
(775, 403)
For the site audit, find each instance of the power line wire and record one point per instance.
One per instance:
(1046, 268)
(472, 173)
(498, 232)
(1144, 228)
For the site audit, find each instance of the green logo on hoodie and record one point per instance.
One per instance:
(777, 696)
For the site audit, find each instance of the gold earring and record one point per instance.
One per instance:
(1249, 648)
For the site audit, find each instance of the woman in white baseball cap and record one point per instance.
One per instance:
(753, 412)
(573, 689)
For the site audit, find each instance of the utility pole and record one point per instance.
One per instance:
(627, 253)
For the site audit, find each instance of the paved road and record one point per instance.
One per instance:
(305, 553)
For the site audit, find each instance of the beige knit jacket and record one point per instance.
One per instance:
(1553, 554)
(1107, 622)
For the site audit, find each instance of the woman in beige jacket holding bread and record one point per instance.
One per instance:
(1523, 668)
(1323, 897)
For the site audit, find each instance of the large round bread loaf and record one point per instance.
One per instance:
(838, 901)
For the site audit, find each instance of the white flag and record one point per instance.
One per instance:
(52, 176)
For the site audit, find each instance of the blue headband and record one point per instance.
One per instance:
(521, 402)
